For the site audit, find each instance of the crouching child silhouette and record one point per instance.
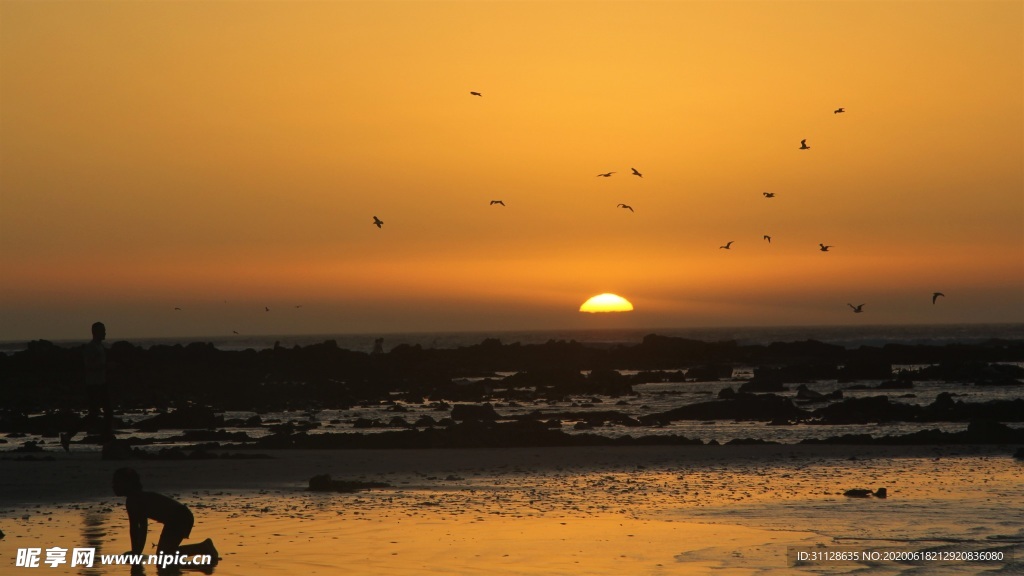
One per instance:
(144, 506)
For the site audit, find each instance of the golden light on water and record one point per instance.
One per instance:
(607, 303)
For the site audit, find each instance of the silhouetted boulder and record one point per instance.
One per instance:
(764, 381)
(743, 406)
(805, 393)
(865, 493)
(865, 410)
(865, 370)
(324, 483)
(609, 383)
(182, 418)
(897, 384)
(992, 432)
(116, 450)
(464, 412)
(709, 373)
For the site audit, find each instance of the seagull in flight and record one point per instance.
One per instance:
(803, 145)
(476, 93)
(768, 194)
(839, 110)
(856, 309)
(177, 309)
(636, 172)
(824, 248)
(728, 245)
(493, 202)
(266, 308)
(378, 222)
(606, 175)
(935, 296)
(768, 238)
(625, 206)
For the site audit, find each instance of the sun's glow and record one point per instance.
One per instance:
(606, 303)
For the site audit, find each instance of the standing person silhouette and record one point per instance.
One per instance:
(96, 390)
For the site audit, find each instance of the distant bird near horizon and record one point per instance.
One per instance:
(824, 248)
(768, 194)
(803, 145)
(728, 245)
(378, 222)
(839, 110)
(605, 175)
(266, 308)
(856, 309)
(177, 309)
(493, 202)
(625, 207)
(476, 93)
(636, 172)
(935, 296)
(768, 238)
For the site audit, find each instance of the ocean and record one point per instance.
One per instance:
(847, 336)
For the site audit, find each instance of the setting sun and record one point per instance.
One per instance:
(606, 303)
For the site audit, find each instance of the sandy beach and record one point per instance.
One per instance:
(636, 510)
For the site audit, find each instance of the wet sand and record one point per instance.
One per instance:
(636, 510)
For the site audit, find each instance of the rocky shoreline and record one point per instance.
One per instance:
(467, 392)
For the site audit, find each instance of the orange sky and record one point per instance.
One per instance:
(225, 156)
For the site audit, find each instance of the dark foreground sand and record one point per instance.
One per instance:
(635, 510)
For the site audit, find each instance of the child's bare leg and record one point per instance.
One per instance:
(205, 547)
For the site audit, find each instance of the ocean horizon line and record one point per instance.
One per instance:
(847, 335)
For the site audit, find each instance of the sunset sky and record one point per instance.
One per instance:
(227, 157)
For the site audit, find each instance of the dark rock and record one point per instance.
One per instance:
(464, 412)
(425, 421)
(116, 450)
(898, 384)
(324, 483)
(805, 393)
(865, 370)
(865, 410)
(183, 418)
(764, 407)
(864, 493)
(749, 442)
(764, 380)
(28, 447)
(709, 373)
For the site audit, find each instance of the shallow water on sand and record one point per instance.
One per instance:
(657, 511)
